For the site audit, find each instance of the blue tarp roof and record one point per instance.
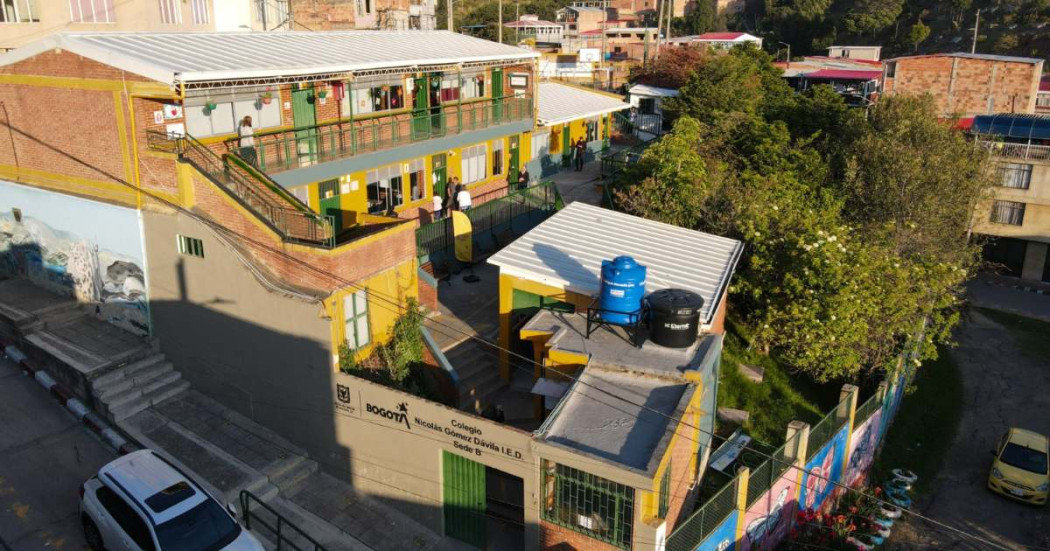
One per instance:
(1025, 127)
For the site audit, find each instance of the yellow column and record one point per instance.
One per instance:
(847, 410)
(800, 431)
(506, 303)
(744, 476)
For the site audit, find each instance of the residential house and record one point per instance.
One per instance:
(870, 53)
(856, 79)
(567, 113)
(24, 21)
(532, 27)
(719, 40)
(965, 84)
(1017, 215)
(1042, 98)
(391, 15)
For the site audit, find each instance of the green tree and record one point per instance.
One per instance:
(703, 18)
(871, 16)
(672, 68)
(1006, 43)
(918, 33)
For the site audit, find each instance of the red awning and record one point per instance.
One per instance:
(843, 74)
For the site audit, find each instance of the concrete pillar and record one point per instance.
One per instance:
(1034, 260)
(744, 478)
(847, 411)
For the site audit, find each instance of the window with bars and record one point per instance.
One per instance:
(190, 246)
(1014, 175)
(355, 319)
(200, 12)
(665, 492)
(588, 504)
(170, 12)
(19, 11)
(1008, 212)
(92, 11)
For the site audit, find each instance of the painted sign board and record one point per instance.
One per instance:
(822, 468)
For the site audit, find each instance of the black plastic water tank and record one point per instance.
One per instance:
(674, 319)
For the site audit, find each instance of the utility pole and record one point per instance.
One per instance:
(976, 25)
(517, 20)
(670, 14)
(448, 16)
(500, 32)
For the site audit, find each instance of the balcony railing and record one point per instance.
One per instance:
(1017, 150)
(305, 146)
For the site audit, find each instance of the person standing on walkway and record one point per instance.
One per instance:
(450, 195)
(581, 149)
(247, 141)
(438, 204)
(463, 199)
(523, 179)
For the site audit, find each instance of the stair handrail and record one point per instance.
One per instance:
(247, 498)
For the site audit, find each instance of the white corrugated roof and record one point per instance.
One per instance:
(191, 57)
(560, 103)
(567, 250)
(651, 91)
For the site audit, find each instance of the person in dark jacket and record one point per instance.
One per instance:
(581, 149)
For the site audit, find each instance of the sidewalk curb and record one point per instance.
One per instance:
(92, 421)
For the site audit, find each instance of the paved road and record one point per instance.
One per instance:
(1002, 388)
(994, 293)
(44, 456)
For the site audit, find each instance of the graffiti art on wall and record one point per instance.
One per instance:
(768, 520)
(84, 249)
(862, 448)
(822, 468)
(722, 538)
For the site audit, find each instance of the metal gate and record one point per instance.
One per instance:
(464, 484)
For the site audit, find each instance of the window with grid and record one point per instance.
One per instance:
(449, 88)
(190, 246)
(384, 189)
(92, 11)
(355, 319)
(170, 12)
(19, 11)
(227, 111)
(200, 12)
(665, 492)
(374, 95)
(497, 157)
(472, 85)
(1015, 175)
(588, 504)
(1008, 212)
(472, 163)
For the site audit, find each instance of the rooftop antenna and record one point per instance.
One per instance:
(976, 25)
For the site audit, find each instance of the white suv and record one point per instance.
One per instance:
(140, 502)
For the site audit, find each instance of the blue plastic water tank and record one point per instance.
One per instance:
(623, 287)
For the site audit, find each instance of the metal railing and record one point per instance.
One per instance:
(1022, 151)
(282, 212)
(489, 218)
(691, 532)
(280, 527)
(822, 432)
(867, 409)
(288, 149)
(642, 126)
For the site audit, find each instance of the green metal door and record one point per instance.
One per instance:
(304, 116)
(566, 146)
(512, 172)
(328, 193)
(497, 96)
(464, 482)
(440, 175)
(420, 109)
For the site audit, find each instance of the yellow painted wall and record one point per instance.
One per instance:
(400, 282)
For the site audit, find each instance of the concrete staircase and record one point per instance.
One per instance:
(129, 389)
(478, 368)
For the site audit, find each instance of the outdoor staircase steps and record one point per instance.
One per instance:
(291, 473)
(147, 399)
(478, 372)
(322, 531)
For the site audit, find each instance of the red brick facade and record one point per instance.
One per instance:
(967, 86)
(682, 473)
(556, 538)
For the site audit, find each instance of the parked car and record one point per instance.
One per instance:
(141, 502)
(1021, 468)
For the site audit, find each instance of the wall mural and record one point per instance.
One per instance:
(722, 538)
(824, 466)
(863, 445)
(79, 248)
(768, 520)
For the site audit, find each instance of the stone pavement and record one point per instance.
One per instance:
(45, 454)
(580, 186)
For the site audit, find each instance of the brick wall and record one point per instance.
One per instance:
(156, 172)
(558, 538)
(681, 469)
(324, 15)
(978, 86)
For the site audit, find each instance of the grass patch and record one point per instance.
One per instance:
(1031, 334)
(926, 423)
(782, 397)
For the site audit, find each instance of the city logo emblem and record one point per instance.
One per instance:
(343, 393)
(398, 416)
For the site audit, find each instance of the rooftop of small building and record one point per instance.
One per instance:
(985, 57)
(560, 103)
(843, 74)
(653, 91)
(610, 347)
(188, 57)
(618, 417)
(566, 251)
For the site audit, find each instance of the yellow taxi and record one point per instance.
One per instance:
(1021, 466)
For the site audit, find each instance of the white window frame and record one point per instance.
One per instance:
(228, 113)
(473, 164)
(29, 12)
(395, 193)
(541, 145)
(103, 8)
(201, 15)
(417, 166)
(189, 246)
(356, 328)
(170, 12)
(1014, 175)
